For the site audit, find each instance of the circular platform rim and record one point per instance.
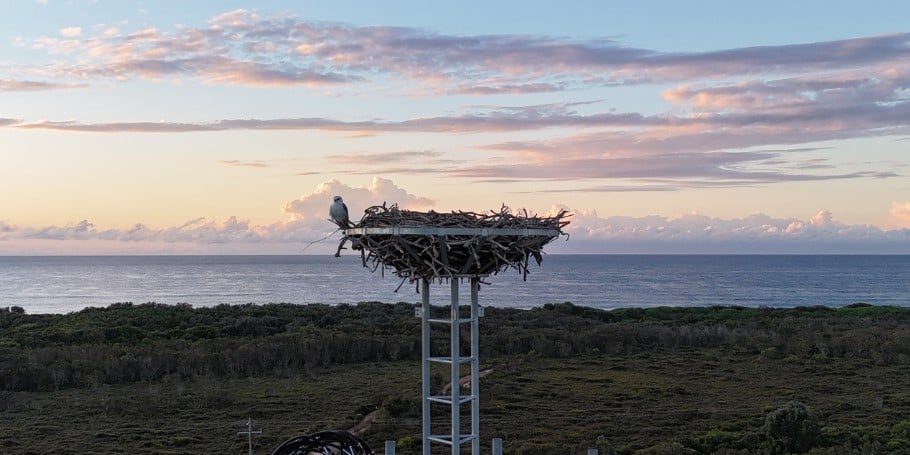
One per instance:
(445, 231)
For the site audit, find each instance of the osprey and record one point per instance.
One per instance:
(339, 213)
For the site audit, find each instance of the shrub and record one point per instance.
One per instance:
(666, 448)
(792, 427)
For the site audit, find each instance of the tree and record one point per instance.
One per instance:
(792, 427)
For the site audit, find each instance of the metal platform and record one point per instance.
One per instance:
(444, 231)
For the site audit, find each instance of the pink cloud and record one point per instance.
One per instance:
(239, 18)
(698, 233)
(736, 117)
(900, 214)
(314, 206)
(71, 32)
(283, 47)
(308, 222)
(719, 150)
(9, 85)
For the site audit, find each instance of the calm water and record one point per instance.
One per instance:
(66, 284)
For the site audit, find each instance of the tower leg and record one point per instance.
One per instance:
(475, 367)
(454, 438)
(456, 373)
(425, 361)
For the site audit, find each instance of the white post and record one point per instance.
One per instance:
(592, 451)
(497, 446)
(456, 373)
(475, 367)
(425, 353)
(390, 448)
(455, 438)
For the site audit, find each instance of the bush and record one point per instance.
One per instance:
(666, 448)
(792, 427)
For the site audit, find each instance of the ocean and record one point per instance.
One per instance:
(64, 284)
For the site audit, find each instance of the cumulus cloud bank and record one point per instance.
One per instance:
(313, 205)
(589, 232)
(307, 221)
(759, 233)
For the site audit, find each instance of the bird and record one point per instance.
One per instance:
(339, 213)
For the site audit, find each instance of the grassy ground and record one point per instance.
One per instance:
(689, 382)
(696, 398)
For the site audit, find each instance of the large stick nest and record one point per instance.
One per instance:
(481, 252)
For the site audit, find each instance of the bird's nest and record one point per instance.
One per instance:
(439, 246)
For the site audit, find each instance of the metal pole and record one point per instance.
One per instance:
(425, 362)
(497, 446)
(390, 448)
(249, 434)
(592, 451)
(456, 374)
(475, 367)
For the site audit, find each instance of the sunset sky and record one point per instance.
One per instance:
(223, 127)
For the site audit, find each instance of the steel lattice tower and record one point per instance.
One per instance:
(426, 254)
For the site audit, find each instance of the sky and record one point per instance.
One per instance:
(225, 127)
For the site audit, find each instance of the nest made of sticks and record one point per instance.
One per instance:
(485, 243)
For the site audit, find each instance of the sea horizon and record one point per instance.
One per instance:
(62, 284)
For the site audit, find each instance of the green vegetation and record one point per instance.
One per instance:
(154, 378)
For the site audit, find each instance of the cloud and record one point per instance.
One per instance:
(9, 121)
(239, 163)
(733, 117)
(900, 214)
(119, 127)
(78, 231)
(315, 205)
(482, 119)
(230, 230)
(589, 232)
(71, 32)
(200, 231)
(686, 152)
(508, 89)
(691, 233)
(223, 53)
(245, 47)
(384, 158)
(307, 222)
(9, 85)
(695, 233)
(238, 18)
